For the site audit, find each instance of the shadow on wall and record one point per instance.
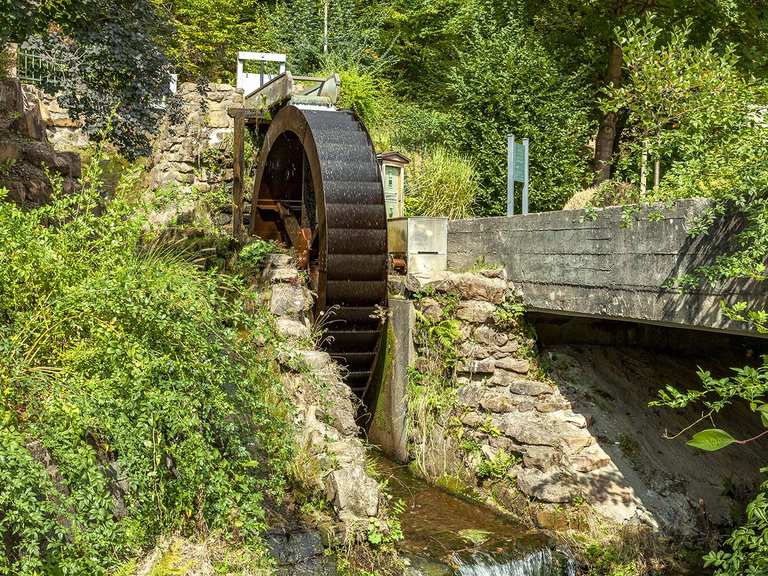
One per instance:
(683, 489)
(703, 250)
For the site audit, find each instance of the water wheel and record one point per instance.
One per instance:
(318, 189)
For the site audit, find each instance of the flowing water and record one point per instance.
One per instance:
(446, 535)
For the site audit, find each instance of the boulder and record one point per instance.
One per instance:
(275, 275)
(218, 119)
(466, 285)
(316, 360)
(493, 273)
(589, 459)
(552, 403)
(509, 347)
(485, 335)
(529, 430)
(340, 411)
(514, 365)
(498, 402)
(470, 349)
(470, 394)
(289, 300)
(551, 486)
(292, 329)
(347, 452)
(541, 457)
(353, 491)
(472, 286)
(279, 260)
(501, 339)
(520, 386)
(472, 419)
(486, 366)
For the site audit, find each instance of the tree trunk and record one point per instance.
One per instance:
(606, 135)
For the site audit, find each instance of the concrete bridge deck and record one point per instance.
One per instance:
(604, 265)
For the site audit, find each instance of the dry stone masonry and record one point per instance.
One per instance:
(63, 131)
(507, 412)
(193, 145)
(325, 407)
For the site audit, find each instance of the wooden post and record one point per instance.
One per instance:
(238, 145)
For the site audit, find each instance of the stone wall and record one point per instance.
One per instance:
(609, 263)
(325, 408)
(26, 154)
(511, 432)
(63, 132)
(194, 143)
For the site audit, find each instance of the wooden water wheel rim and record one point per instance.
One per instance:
(318, 188)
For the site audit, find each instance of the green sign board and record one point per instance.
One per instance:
(519, 163)
(517, 172)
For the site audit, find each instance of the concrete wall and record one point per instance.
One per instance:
(387, 429)
(571, 263)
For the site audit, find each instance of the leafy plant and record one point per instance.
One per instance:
(137, 398)
(497, 467)
(116, 76)
(745, 552)
(507, 314)
(498, 87)
(255, 253)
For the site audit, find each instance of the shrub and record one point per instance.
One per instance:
(136, 399)
(441, 183)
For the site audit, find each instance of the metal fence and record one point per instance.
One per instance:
(38, 69)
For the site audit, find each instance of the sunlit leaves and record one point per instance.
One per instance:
(139, 377)
(711, 440)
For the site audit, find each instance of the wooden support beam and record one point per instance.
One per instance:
(238, 149)
(247, 113)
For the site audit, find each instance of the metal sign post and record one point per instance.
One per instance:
(517, 171)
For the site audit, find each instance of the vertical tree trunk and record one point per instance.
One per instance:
(607, 133)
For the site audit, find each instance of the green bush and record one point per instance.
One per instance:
(440, 183)
(135, 398)
(361, 92)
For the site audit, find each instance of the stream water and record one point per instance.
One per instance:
(446, 535)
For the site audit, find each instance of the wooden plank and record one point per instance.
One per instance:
(273, 93)
(247, 113)
(238, 145)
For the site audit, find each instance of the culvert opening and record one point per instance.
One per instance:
(612, 370)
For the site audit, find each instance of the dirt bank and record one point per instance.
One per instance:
(677, 484)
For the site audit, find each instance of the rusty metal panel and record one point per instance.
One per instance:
(397, 235)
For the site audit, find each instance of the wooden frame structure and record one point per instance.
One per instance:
(260, 105)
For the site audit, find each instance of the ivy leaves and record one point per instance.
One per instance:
(116, 75)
